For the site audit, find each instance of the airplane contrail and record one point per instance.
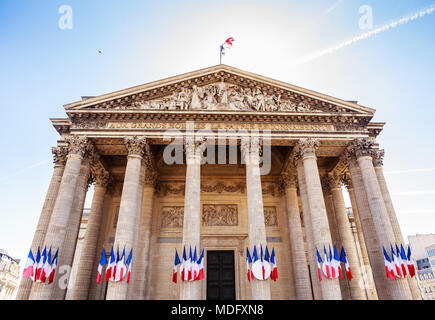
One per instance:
(410, 171)
(332, 7)
(35, 165)
(385, 27)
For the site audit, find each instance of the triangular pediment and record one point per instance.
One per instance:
(221, 88)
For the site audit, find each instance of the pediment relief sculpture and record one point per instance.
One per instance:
(220, 96)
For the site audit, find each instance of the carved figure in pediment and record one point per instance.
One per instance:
(197, 96)
(182, 100)
(210, 100)
(222, 93)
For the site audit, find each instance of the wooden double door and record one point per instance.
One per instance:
(221, 284)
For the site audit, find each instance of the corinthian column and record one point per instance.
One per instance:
(377, 163)
(312, 258)
(299, 258)
(58, 227)
(347, 241)
(319, 219)
(362, 148)
(191, 290)
(86, 268)
(143, 246)
(250, 148)
(59, 154)
(367, 272)
(127, 218)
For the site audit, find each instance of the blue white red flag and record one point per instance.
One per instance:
(41, 266)
(183, 272)
(228, 44)
(38, 265)
(403, 260)
(332, 265)
(248, 261)
(189, 265)
(46, 268)
(319, 261)
(110, 266)
(176, 263)
(262, 261)
(254, 258)
(129, 263)
(326, 267)
(343, 259)
(29, 266)
(336, 263)
(201, 266)
(120, 267)
(397, 268)
(411, 266)
(274, 274)
(103, 261)
(389, 268)
(114, 271)
(53, 267)
(195, 267)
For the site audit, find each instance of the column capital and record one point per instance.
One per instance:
(288, 180)
(136, 146)
(347, 181)
(251, 146)
(362, 147)
(59, 155)
(326, 187)
(378, 157)
(194, 145)
(335, 180)
(307, 147)
(150, 177)
(102, 178)
(78, 145)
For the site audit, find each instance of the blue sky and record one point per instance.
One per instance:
(44, 67)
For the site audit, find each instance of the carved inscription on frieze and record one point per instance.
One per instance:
(219, 215)
(172, 217)
(270, 217)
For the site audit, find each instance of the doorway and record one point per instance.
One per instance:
(221, 284)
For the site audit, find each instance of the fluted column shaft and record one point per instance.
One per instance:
(191, 290)
(124, 236)
(257, 229)
(143, 247)
(58, 227)
(86, 269)
(299, 259)
(356, 285)
(312, 258)
(399, 288)
(412, 282)
(321, 233)
(369, 282)
(69, 246)
(44, 219)
(374, 250)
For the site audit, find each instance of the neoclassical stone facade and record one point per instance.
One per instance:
(220, 159)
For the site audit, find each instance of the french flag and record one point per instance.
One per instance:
(189, 265)
(248, 261)
(53, 267)
(332, 265)
(195, 268)
(183, 266)
(388, 266)
(110, 266)
(403, 260)
(343, 259)
(274, 266)
(262, 261)
(103, 261)
(397, 268)
(115, 265)
(129, 263)
(326, 268)
(319, 261)
(411, 266)
(176, 263)
(254, 259)
(47, 267)
(41, 264)
(120, 267)
(37, 265)
(201, 266)
(28, 267)
(336, 263)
